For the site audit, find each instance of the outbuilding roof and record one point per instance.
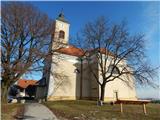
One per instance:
(25, 83)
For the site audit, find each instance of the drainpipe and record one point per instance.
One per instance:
(81, 78)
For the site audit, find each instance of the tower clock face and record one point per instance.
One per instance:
(61, 25)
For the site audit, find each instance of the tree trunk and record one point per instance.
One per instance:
(102, 92)
(4, 93)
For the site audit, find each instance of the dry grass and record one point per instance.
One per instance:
(88, 110)
(8, 111)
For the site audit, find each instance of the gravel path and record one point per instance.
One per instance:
(36, 111)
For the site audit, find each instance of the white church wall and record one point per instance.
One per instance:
(51, 81)
(64, 78)
(125, 89)
(86, 86)
(90, 86)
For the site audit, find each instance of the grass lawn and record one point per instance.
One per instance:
(88, 110)
(9, 110)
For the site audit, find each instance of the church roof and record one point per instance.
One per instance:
(61, 17)
(105, 51)
(71, 50)
(74, 51)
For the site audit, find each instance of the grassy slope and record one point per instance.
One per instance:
(87, 110)
(9, 110)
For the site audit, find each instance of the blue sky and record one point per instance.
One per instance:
(142, 17)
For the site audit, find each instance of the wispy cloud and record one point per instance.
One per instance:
(151, 15)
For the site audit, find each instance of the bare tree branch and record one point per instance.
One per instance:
(112, 45)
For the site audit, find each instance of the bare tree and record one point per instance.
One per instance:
(25, 40)
(116, 52)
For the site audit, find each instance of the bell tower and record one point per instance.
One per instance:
(61, 33)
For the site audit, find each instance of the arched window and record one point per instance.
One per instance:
(114, 68)
(61, 34)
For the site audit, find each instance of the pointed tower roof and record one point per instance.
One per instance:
(61, 17)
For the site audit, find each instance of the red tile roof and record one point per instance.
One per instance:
(25, 83)
(102, 51)
(105, 51)
(71, 50)
(74, 51)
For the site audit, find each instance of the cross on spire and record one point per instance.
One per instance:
(61, 16)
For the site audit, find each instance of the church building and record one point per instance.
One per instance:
(68, 77)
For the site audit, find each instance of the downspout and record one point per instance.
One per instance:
(81, 78)
(47, 81)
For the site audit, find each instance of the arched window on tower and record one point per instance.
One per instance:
(61, 34)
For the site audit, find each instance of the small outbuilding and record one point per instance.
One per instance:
(26, 88)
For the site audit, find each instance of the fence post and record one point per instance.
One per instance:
(121, 107)
(144, 109)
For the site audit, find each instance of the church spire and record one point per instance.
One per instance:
(61, 17)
